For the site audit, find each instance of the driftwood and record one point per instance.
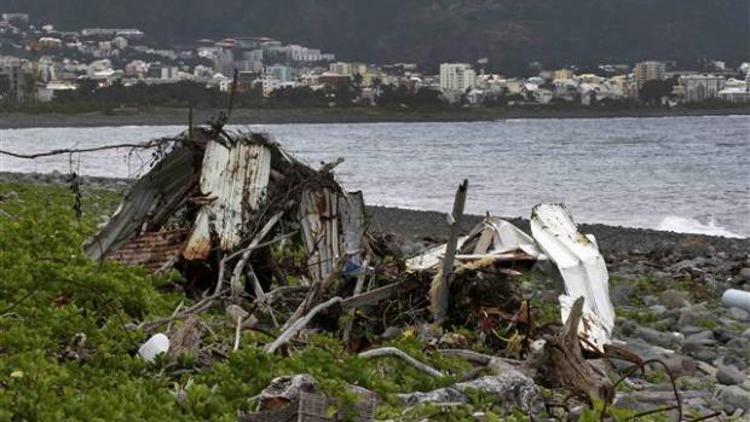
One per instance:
(373, 296)
(394, 352)
(558, 362)
(248, 251)
(439, 292)
(143, 145)
(299, 325)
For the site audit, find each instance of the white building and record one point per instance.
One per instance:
(456, 77)
(280, 73)
(700, 88)
(736, 91)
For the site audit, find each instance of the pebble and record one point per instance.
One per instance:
(666, 340)
(745, 274)
(729, 375)
(738, 314)
(674, 299)
(690, 329)
(704, 338)
(657, 309)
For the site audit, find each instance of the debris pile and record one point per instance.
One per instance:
(283, 249)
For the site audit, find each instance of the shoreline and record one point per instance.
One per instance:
(175, 116)
(418, 225)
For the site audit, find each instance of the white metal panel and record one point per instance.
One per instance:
(236, 180)
(582, 268)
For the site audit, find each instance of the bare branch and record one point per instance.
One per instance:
(300, 324)
(142, 145)
(394, 352)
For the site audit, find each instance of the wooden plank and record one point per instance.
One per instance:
(439, 292)
(373, 296)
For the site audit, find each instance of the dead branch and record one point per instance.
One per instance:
(300, 324)
(394, 352)
(143, 145)
(470, 355)
(313, 295)
(439, 292)
(352, 312)
(253, 245)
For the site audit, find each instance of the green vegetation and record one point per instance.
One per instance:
(50, 292)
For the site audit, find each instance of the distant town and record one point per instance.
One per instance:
(40, 64)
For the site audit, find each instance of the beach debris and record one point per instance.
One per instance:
(582, 268)
(733, 298)
(155, 346)
(284, 390)
(284, 250)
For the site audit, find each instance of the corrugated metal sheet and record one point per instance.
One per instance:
(152, 198)
(318, 216)
(582, 268)
(151, 250)
(236, 180)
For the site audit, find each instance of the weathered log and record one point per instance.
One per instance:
(557, 361)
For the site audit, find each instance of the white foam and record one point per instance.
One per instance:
(674, 223)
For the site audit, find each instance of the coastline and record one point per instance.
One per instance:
(176, 116)
(417, 225)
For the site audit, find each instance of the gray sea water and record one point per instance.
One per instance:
(685, 174)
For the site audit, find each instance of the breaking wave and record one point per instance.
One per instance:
(678, 224)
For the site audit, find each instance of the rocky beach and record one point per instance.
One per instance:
(666, 288)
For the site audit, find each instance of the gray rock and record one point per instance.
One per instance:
(688, 264)
(667, 340)
(729, 375)
(511, 388)
(622, 294)
(738, 314)
(674, 299)
(695, 315)
(745, 274)
(657, 309)
(741, 344)
(681, 366)
(690, 329)
(703, 338)
(733, 398)
(701, 353)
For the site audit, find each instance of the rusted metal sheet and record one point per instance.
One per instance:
(318, 216)
(352, 211)
(582, 267)
(235, 180)
(151, 200)
(315, 408)
(154, 250)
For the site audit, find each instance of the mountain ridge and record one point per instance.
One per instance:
(511, 33)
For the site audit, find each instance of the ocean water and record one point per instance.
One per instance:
(684, 174)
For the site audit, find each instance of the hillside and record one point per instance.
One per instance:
(509, 32)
